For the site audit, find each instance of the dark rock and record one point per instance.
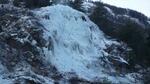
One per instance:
(78, 81)
(31, 3)
(145, 75)
(8, 56)
(21, 40)
(83, 18)
(4, 1)
(27, 81)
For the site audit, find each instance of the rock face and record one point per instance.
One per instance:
(21, 40)
(57, 45)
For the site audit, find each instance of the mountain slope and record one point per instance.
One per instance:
(57, 44)
(126, 25)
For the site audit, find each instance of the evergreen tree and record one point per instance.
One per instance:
(31, 3)
(76, 4)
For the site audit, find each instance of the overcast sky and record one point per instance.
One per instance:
(138, 5)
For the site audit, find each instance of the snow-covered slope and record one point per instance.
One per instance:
(75, 44)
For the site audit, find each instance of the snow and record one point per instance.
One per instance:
(148, 22)
(77, 42)
(134, 19)
(45, 80)
(2, 80)
(5, 81)
(109, 10)
(1, 68)
(88, 5)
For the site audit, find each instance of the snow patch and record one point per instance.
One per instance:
(148, 22)
(2, 79)
(5, 81)
(88, 7)
(109, 10)
(134, 19)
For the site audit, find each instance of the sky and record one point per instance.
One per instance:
(142, 6)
